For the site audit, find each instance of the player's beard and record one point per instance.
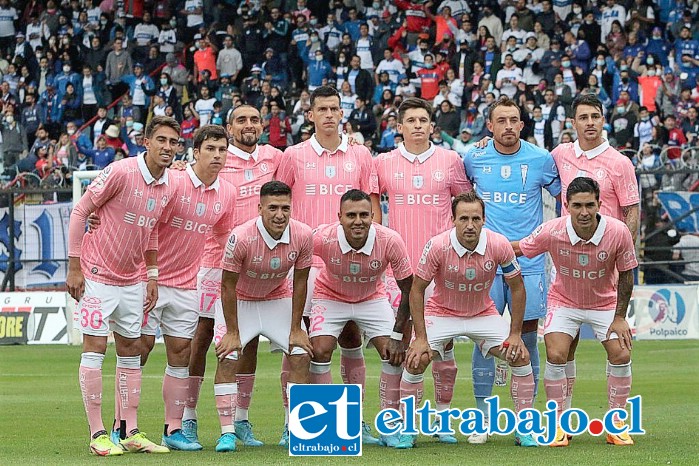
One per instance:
(247, 140)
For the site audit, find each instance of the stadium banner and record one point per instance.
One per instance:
(41, 317)
(679, 203)
(41, 237)
(665, 312)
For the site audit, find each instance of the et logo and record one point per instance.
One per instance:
(325, 420)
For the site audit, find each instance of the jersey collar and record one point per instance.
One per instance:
(590, 154)
(318, 149)
(242, 154)
(421, 157)
(145, 173)
(596, 238)
(198, 183)
(345, 246)
(460, 250)
(269, 241)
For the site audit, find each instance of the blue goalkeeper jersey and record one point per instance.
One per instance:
(510, 186)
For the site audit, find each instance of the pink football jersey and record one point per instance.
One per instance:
(351, 276)
(613, 171)
(463, 278)
(419, 188)
(247, 172)
(129, 203)
(196, 213)
(263, 262)
(586, 275)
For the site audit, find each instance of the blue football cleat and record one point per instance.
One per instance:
(243, 430)
(178, 441)
(226, 443)
(189, 430)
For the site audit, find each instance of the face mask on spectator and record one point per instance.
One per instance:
(314, 39)
(620, 110)
(103, 22)
(376, 5)
(319, 58)
(623, 67)
(565, 64)
(650, 61)
(66, 68)
(651, 72)
(569, 125)
(173, 22)
(600, 62)
(313, 21)
(577, 10)
(163, 81)
(9, 119)
(70, 132)
(129, 123)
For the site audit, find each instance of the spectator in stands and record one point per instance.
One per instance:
(687, 249)
(118, 65)
(447, 118)
(364, 118)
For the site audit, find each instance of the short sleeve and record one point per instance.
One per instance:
(537, 242)
(235, 253)
(551, 181)
(625, 183)
(429, 262)
(400, 263)
(106, 185)
(305, 258)
(626, 255)
(459, 182)
(285, 170)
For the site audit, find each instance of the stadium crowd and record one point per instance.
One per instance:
(63, 64)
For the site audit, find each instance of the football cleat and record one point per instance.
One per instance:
(525, 441)
(177, 441)
(103, 446)
(443, 438)
(243, 430)
(284, 441)
(390, 440)
(226, 443)
(189, 430)
(406, 441)
(561, 439)
(114, 437)
(139, 443)
(478, 439)
(619, 439)
(367, 437)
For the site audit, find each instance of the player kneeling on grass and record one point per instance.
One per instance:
(587, 249)
(356, 252)
(463, 262)
(257, 299)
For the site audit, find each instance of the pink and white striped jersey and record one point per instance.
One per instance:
(419, 188)
(247, 172)
(612, 170)
(263, 262)
(351, 276)
(462, 278)
(586, 275)
(129, 203)
(318, 179)
(196, 213)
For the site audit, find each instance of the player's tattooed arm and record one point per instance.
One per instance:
(515, 246)
(396, 347)
(619, 325)
(631, 215)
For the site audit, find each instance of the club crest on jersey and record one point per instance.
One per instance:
(470, 273)
(375, 264)
(330, 171)
(201, 209)
(249, 175)
(349, 166)
(583, 259)
(355, 268)
(600, 174)
(264, 168)
(489, 265)
(438, 176)
(602, 256)
(150, 205)
(217, 207)
(275, 263)
(292, 256)
(418, 181)
(505, 172)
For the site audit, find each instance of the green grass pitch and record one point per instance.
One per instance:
(42, 420)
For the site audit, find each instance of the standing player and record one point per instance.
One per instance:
(509, 175)
(204, 208)
(257, 299)
(420, 180)
(592, 156)
(463, 262)
(104, 274)
(319, 171)
(248, 167)
(356, 252)
(588, 249)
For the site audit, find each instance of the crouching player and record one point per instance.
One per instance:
(463, 262)
(587, 249)
(257, 300)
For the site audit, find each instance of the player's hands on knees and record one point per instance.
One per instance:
(75, 282)
(230, 343)
(151, 296)
(178, 165)
(483, 142)
(418, 347)
(93, 222)
(300, 339)
(622, 329)
(395, 352)
(513, 349)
